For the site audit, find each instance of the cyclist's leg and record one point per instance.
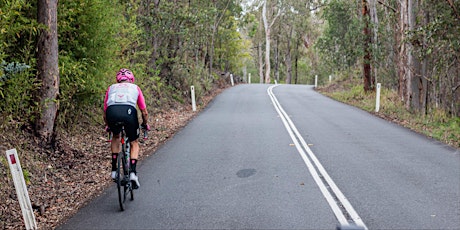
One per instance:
(115, 145)
(113, 116)
(134, 152)
(132, 132)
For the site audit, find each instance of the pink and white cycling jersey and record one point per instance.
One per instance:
(124, 94)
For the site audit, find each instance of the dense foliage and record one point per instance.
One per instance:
(415, 48)
(169, 45)
(340, 43)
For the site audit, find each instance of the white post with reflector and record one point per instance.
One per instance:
(377, 98)
(231, 79)
(192, 88)
(249, 78)
(316, 81)
(21, 189)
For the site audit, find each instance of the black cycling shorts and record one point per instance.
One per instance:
(123, 115)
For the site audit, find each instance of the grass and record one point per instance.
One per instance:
(436, 123)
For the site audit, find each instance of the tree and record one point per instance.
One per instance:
(367, 73)
(217, 20)
(411, 86)
(47, 68)
(341, 41)
(296, 28)
(267, 26)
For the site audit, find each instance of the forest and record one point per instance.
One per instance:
(57, 58)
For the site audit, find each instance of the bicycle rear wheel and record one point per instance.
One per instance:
(120, 177)
(126, 182)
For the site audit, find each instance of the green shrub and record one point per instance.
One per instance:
(17, 87)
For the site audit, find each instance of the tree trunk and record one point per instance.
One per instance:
(368, 84)
(277, 61)
(414, 84)
(296, 60)
(267, 26)
(261, 63)
(410, 57)
(155, 38)
(47, 68)
(375, 40)
(424, 69)
(402, 48)
(267, 43)
(289, 58)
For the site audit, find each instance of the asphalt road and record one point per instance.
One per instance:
(286, 157)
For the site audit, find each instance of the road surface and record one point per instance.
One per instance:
(286, 157)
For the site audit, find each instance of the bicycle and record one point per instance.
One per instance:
(124, 184)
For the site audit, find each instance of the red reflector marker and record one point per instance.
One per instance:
(13, 159)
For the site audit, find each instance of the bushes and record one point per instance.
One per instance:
(17, 87)
(167, 48)
(88, 55)
(18, 28)
(89, 51)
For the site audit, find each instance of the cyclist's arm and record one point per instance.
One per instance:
(105, 106)
(145, 116)
(142, 107)
(105, 119)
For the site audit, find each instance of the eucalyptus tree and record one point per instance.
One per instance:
(187, 41)
(415, 47)
(428, 55)
(220, 13)
(275, 7)
(48, 70)
(249, 30)
(70, 49)
(259, 36)
(295, 27)
(340, 43)
(368, 78)
(286, 24)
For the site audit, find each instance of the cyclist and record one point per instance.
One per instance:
(120, 106)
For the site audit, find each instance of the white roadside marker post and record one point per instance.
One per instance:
(231, 79)
(316, 81)
(377, 98)
(192, 88)
(21, 189)
(249, 78)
